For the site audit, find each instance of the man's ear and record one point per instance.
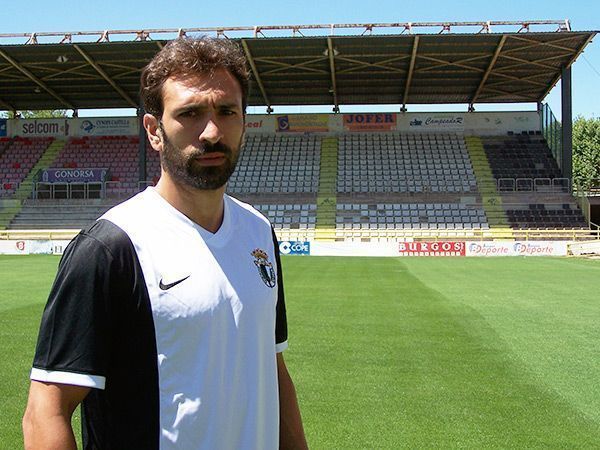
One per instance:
(153, 132)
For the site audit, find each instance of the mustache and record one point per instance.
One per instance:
(217, 147)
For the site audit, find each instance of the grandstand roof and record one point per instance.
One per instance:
(392, 68)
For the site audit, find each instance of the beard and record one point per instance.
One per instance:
(185, 169)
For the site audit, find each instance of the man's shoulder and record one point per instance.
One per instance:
(247, 211)
(129, 210)
(103, 233)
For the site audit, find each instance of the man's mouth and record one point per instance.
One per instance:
(211, 159)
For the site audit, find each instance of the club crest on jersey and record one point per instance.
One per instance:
(265, 268)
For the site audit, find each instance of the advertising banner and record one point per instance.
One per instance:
(40, 127)
(294, 248)
(3, 127)
(260, 123)
(66, 175)
(500, 123)
(105, 126)
(430, 122)
(431, 248)
(526, 248)
(58, 246)
(370, 122)
(25, 247)
(303, 123)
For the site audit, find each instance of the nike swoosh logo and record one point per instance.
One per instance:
(164, 287)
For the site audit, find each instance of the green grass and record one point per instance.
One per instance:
(391, 353)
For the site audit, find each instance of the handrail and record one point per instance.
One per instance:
(574, 234)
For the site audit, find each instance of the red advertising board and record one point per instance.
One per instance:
(431, 248)
(370, 122)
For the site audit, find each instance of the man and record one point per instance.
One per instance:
(167, 317)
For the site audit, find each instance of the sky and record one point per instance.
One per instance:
(57, 15)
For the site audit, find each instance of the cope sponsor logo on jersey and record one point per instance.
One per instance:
(294, 248)
(265, 267)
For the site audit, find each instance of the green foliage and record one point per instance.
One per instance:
(586, 152)
(39, 114)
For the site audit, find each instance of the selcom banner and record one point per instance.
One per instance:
(116, 126)
(41, 127)
(294, 248)
(431, 248)
(3, 127)
(525, 248)
(370, 122)
(66, 175)
(303, 123)
(436, 122)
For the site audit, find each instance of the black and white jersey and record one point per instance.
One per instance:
(175, 328)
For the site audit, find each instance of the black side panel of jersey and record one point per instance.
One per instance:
(98, 321)
(281, 332)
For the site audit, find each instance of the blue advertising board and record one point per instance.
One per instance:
(68, 175)
(294, 248)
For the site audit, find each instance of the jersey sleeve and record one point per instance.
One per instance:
(75, 331)
(281, 331)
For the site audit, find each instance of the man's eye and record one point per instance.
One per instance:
(227, 112)
(190, 113)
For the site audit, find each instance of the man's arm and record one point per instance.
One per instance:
(291, 432)
(47, 419)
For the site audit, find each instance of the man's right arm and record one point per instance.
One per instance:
(47, 419)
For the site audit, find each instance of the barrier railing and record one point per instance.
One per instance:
(545, 185)
(89, 190)
(286, 234)
(575, 234)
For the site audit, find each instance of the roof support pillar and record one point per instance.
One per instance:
(256, 75)
(331, 54)
(567, 123)
(143, 175)
(411, 69)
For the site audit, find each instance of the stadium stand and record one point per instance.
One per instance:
(18, 158)
(521, 163)
(277, 164)
(524, 164)
(410, 216)
(119, 154)
(392, 162)
(395, 183)
(59, 214)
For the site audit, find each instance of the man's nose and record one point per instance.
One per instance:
(212, 132)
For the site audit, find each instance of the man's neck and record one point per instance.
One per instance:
(204, 207)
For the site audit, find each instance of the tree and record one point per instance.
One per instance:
(39, 114)
(586, 152)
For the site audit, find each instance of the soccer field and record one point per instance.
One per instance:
(391, 353)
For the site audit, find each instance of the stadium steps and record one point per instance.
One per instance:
(26, 187)
(490, 198)
(327, 195)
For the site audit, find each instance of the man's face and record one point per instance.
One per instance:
(201, 129)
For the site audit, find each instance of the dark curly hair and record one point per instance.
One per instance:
(185, 57)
